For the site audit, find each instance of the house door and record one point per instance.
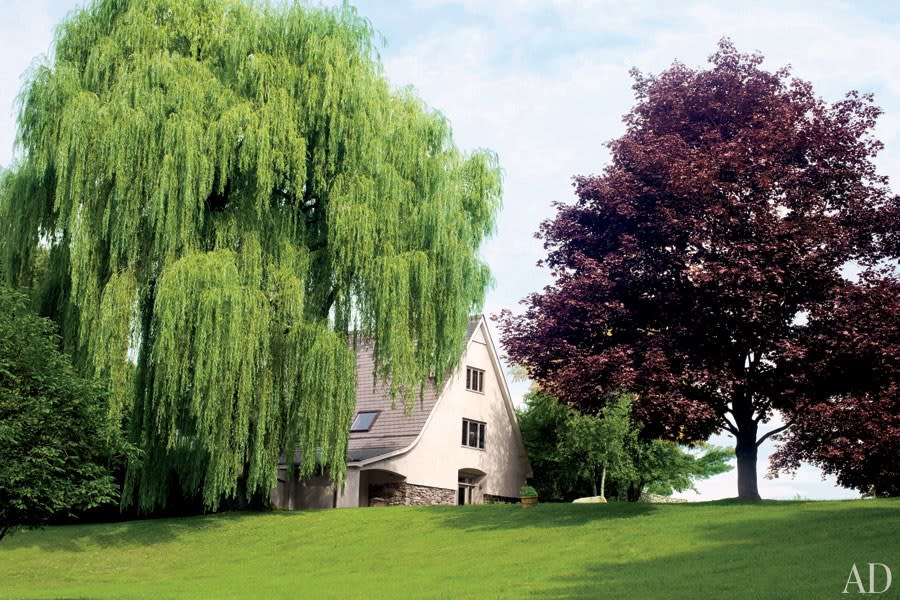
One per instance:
(464, 495)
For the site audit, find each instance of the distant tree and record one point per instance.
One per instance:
(600, 444)
(685, 271)
(663, 467)
(543, 422)
(569, 450)
(56, 443)
(852, 428)
(226, 189)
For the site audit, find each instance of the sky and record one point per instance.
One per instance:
(545, 83)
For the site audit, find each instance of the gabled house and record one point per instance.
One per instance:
(461, 444)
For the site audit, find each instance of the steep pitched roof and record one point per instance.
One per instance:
(394, 428)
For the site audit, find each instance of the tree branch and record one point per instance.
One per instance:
(729, 426)
(332, 295)
(775, 431)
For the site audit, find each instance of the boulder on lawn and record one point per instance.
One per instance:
(657, 499)
(590, 500)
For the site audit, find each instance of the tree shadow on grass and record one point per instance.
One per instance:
(802, 550)
(141, 532)
(550, 515)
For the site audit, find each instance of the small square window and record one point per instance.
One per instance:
(474, 379)
(364, 421)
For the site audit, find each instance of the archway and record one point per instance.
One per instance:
(378, 487)
(469, 489)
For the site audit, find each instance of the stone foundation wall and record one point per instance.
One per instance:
(409, 494)
(492, 499)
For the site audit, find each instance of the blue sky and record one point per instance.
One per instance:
(545, 83)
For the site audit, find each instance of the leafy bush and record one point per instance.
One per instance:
(527, 491)
(55, 441)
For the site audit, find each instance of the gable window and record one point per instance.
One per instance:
(473, 434)
(474, 379)
(364, 420)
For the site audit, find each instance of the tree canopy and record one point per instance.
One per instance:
(688, 270)
(851, 428)
(56, 444)
(225, 190)
(575, 454)
(598, 445)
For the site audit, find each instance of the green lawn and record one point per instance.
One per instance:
(713, 550)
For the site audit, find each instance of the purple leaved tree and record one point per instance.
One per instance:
(691, 270)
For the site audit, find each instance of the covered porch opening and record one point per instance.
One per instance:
(469, 489)
(378, 487)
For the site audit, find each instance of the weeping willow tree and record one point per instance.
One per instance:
(209, 196)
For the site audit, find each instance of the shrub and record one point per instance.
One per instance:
(527, 491)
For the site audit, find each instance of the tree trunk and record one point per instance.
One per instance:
(602, 484)
(635, 489)
(746, 451)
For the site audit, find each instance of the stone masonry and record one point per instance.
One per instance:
(407, 494)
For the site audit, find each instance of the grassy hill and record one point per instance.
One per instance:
(711, 550)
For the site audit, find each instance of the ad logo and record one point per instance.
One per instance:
(855, 579)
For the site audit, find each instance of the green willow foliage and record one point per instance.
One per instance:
(210, 196)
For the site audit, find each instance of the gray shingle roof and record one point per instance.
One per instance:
(367, 453)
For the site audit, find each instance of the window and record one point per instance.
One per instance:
(473, 434)
(474, 379)
(364, 421)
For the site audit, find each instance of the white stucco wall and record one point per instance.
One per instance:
(436, 459)
(348, 497)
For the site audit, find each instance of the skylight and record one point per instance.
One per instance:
(364, 421)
